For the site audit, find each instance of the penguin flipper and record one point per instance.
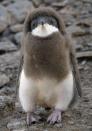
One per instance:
(77, 82)
(18, 74)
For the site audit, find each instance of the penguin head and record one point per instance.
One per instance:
(43, 22)
(43, 26)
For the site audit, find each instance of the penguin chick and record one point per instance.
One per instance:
(49, 70)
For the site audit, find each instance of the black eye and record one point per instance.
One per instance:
(33, 24)
(52, 21)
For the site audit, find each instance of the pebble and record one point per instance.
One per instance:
(16, 28)
(7, 90)
(89, 45)
(59, 125)
(4, 79)
(3, 18)
(49, 2)
(9, 60)
(7, 46)
(18, 37)
(71, 122)
(18, 107)
(60, 4)
(75, 30)
(18, 10)
(16, 124)
(78, 46)
(3, 26)
(37, 3)
(6, 2)
(23, 129)
(83, 62)
(3, 13)
(5, 101)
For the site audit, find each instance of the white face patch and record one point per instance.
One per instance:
(44, 30)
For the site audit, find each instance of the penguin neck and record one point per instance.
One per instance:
(46, 57)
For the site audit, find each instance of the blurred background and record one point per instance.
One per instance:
(77, 15)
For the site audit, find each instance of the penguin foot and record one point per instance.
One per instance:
(31, 118)
(55, 117)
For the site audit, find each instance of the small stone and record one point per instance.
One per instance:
(9, 60)
(40, 110)
(18, 10)
(16, 28)
(18, 37)
(3, 18)
(89, 45)
(89, 1)
(4, 102)
(76, 31)
(37, 3)
(59, 125)
(60, 4)
(20, 129)
(78, 46)
(3, 79)
(86, 68)
(6, 2)
(90, 30)
(87, 22)
(67, 114)
(7, 46)
(80, 68)
(7, 90)
(83, 62)
(18, 107)
(49, 2)
(3, 26)
(3, 13)
(16, 124)
(71, 122)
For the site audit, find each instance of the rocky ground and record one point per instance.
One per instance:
(77, 15)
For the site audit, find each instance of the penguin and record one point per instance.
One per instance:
(49, 75)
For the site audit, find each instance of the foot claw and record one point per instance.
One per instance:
(55, 117)
(31, 119)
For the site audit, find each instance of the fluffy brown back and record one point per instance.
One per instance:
(46, 56)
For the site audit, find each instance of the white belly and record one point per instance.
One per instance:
(45, 92)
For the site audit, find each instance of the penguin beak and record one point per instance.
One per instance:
(42, 22)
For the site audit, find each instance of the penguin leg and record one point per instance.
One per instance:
(28, 96)
(64, 94)
(55, 117)
(32, 118)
